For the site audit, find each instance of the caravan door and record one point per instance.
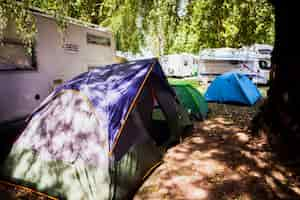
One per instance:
(257, 70)
(264, 70)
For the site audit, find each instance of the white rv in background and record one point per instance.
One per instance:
(214, 62)
(263, 51)
(26, 79)
(179, 65)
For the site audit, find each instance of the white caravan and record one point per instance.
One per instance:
(179, 65)
(264, 51)
(26, 79)
(214, 62)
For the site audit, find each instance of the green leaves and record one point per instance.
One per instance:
(11, 10)
(156, 24)
(231, 23)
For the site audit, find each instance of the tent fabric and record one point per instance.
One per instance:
(66, 149)
(232, 88)
(192, 100)
(112, 90)
(62, 151)
(73, 163)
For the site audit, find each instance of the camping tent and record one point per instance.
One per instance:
(232, 88)
(92, 138)
(192, 100)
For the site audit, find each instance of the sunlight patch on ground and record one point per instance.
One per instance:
(234, 177)
(243, 137)
(197, 140)
(279, 176)
(255, 174)
(185, 188)
(259, 162)
(197, 155)
(223, 121)
(272, 184)
(208, 167)
(295, 189)
(222, 159)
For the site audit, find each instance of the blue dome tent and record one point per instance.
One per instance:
(233, 88)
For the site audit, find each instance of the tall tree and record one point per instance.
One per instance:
(166, 26)
(282, 109)
(160, 24)
(13, 10)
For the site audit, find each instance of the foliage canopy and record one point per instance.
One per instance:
(163, 26)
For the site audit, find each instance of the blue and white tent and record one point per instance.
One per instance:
(232, 88)
(94, 137)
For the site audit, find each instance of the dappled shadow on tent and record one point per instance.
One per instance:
(51, 155)
(221, 161)
(63, 149)
(90, 137)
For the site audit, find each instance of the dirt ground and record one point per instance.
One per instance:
(221, 160)
(10, 191)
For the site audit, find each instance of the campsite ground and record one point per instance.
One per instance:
(223, 159)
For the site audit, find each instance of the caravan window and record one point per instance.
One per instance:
(92, 67)
(15, 56)
(234, 62)
(98, 40)
(264, 65)
(185, 63)
(265, 51)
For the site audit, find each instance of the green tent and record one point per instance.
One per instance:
(192, 100)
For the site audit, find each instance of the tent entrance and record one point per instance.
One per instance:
(168, 118)
(160, 130)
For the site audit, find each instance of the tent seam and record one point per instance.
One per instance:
(130, 109)
(152, 169)
(244, 93)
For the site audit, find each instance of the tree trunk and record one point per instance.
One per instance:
(282, 109)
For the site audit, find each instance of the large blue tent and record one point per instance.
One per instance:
(95, 137)
(233, 88)
(113, 91)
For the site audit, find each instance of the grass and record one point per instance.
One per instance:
(192, 81)
(263, 90)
